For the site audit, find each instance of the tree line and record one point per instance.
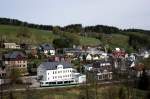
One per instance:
(15, 22)
(139, 41)
(73, 28)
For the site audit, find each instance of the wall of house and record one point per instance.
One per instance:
(104, 76)
(52, 52)
(89, 57)
(17, 64)
(12, 46)
(59, 74)
(20, 65)
(41, 73)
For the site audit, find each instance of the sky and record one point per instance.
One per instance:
(121, 13)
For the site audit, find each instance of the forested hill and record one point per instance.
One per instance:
(77, 28)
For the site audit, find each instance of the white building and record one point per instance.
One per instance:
(89, 57)
(103, 70)
(47, 49)
(11, 46)
(145, 54)
(88, 67)
(79, 78)
(55, 73)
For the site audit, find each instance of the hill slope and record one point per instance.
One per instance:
(9, 34)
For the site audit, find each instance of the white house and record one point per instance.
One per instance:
(55, 73)
(79, 78)
(88, 67)
(145, 54)
(47, 49)
(89, 57)
(11, 46)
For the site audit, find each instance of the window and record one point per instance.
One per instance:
(99, 77)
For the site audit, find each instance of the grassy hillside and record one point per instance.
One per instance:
(9, 33)
(89, 41)
(119, 40)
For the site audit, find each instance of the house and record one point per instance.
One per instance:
(139, 69)
(95, 54)
(145, 54)
(90, 57)
(103, 69)
(17, 60)
(79, 78)
(47, 49)
(104, 56)
(59, 58)
(93, 51)
(55, 73)
(2, 73)
(11, 46)
(88, 67)
(71, 51)
(31, 51)
(118, 53)
(87, 57)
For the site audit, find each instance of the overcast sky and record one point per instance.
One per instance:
(120, 13)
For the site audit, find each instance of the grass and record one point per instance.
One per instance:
(119, 40)
(103, 92)
(89, 41)
(9, 33)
